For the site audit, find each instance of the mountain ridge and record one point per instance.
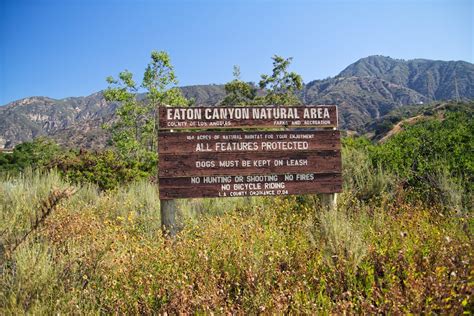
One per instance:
(365, 90)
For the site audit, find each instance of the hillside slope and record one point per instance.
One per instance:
(435, 79)
(366, 90)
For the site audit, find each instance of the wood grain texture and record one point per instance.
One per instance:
(192, 142)
(204, 164)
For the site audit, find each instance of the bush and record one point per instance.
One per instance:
(105, 168)
(362, 177)
(428, 149)
(35, 154)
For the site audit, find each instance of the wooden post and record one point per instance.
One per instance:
(168, 211)
(169, 223)
(329, 201)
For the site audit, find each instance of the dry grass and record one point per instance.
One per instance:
(104, 253)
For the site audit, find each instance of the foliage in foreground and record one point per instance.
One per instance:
(104, 252)
(432, 158)
(106, 169)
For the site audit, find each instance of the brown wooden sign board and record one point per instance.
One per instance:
(252, 185)
(248, 163)
(247, 116)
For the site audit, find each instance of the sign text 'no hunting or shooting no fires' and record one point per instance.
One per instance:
(248, 163)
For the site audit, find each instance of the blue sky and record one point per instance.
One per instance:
(67, 47)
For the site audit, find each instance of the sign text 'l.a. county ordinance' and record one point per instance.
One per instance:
(240, 116)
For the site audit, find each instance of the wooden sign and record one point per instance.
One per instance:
(248, 163)
(240, 117)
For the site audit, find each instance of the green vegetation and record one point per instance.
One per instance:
(399, 242)
(239, 92)
(106, 169)
(281, 84)
(103, 252)
(134, 132)
(422, 111)
(35, 154)
(279, 88)
(432, 157)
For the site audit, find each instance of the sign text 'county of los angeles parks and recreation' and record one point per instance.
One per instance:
(252, 162)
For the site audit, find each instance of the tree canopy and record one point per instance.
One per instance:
(134, 132)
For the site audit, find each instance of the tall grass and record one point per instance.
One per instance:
(21, 197)
(340, 238)
(362, 177)
(103, 252)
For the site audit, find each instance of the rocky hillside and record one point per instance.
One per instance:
(437, 80)
(366, 90)
(28, 118)
(360, 99)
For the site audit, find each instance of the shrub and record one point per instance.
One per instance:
(105, 168)
(103, 252)
(34, 155)
(428, 149)
(362, 177)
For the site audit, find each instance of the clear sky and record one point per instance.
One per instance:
(61, 48)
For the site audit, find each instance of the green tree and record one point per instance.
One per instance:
(134, 133)
(239, 92)
(281, 85)
(35, 154)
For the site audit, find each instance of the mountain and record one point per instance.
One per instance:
(366, 90)
(75, 121)
(360, 99)
(204, 94)
(373, 86)
(437, 80)
(29, 118)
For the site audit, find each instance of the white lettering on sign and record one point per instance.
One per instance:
(252, 163)
(229, 163)
(244, 146)
(272, 145)
(183, 114)
(251, 185)
(227, 113)
(275, 113)
(296, 162)
(216, 179)
(285, 145)
(316, 113)
(261, 163)
(282, 114)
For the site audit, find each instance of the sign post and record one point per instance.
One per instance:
(301, 154)
(169, 223)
